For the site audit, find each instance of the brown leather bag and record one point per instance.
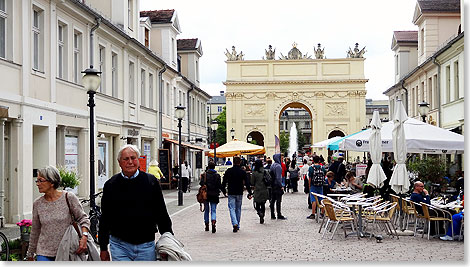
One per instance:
(202, 194)
(74, 222)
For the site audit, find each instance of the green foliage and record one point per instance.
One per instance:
(14, 244)
(284, 142)
(221, 135)
(68, 178)
(431, 168)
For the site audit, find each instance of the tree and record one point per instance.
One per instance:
(221, 135)
(284, 142)
(301, 140)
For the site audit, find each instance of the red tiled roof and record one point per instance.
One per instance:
(406, 36)
(439, 5)
(158, 16)
(187, 44)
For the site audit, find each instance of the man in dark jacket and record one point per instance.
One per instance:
(277, 189)
(233, 179)
(132, 207)
(338, 168)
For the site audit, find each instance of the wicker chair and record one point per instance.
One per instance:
(337, 215)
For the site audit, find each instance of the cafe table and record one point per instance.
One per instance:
(360, 203)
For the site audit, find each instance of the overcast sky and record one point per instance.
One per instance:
(253, 25)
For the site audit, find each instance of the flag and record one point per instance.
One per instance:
(277, 146)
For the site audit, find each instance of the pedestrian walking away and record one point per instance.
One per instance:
(132, 207)
(186, 176)
(260, 192)
(52, 217)
(293, 174)
(316, 174)
(233, 180)
(211, 179)
(277, 188)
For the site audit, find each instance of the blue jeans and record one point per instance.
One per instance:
(213, 211)
(44, 258)
(235, 208)
(124, 251)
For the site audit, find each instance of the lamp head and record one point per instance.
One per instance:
(232, 133)
(91, 80)
(214, 125)
(179, 112)
(423, 108)
(249, 138)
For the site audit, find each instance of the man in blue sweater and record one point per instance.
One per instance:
(132, 208)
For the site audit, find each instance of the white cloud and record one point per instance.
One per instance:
(253, 25)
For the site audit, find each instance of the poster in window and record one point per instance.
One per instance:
(103, 163)
(71, 156)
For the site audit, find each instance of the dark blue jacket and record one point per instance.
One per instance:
(233, 180)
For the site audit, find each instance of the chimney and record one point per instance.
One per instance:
(221, 93)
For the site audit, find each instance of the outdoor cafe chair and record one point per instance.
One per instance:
(436, 219)
(461, 230)
(383, 214)
(337, 215)
(408, 211)
(418, 216)
(398, 209)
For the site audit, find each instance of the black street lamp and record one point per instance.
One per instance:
(423, 109)
(232, 133)
(179, 114)
(214, 126)
(91, 81)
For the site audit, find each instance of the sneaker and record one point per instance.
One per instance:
(311, 216)
(446, 238)
(273, 217)
(235, 228)
(281, 218)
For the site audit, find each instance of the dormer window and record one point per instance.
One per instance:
(147, 40)
(130, 14)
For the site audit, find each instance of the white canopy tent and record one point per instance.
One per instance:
(420, 138)
(326, 142)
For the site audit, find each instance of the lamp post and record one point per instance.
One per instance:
(423, 109)
(232, 133)
(214, 126)
(179, 114)
(91, 81)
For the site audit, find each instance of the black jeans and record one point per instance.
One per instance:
(276, 198)
(184, 183)
(294, 184)
(260, 208)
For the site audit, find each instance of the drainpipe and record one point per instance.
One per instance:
(434, 60)
(92, 34)
(160, 103)
(189, 124)
(406, 95)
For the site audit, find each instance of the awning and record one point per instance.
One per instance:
(184, 144)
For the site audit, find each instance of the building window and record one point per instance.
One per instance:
(219, 109)
(307, 125)
(61, 50)
(130, 14)
(147, 40)
(208, 109)
(447, 88)
(3, 29)
(429, 96)
(421, 93)
(143, 100)
(456, 80)
(131, 83)
(151, 90)
(184, 99)
(102, 63)
(114, 74)
(77, 56)
(197, 70)
(421, 42)
(172, 49)
(167, 96)
(396, 64)
(175, 98)
(38, 38)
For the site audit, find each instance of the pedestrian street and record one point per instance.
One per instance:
(294, 239)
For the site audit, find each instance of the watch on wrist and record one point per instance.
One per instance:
(86, 234)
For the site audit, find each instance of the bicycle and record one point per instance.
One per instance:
(94, 216)
(4, 248)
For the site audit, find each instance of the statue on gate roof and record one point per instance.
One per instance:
(356, 53)
(319, 52)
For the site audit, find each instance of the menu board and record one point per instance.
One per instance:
(164, 163)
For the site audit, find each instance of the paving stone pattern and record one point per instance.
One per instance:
(295, 239)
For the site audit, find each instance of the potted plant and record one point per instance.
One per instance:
(25, 229)
(430, 170)
(69, 179)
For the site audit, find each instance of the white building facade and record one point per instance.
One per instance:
(43, 105)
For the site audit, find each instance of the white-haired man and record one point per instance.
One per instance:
(132, 207)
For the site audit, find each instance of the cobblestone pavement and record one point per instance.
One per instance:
(294, 239)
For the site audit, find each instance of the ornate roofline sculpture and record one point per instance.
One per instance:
(233, 56)
(356, 53)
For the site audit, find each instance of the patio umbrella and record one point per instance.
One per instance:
(237, 147)
(326, 142)
(376, 175)
(399, 182)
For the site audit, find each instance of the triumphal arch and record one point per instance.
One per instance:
(331, 90)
